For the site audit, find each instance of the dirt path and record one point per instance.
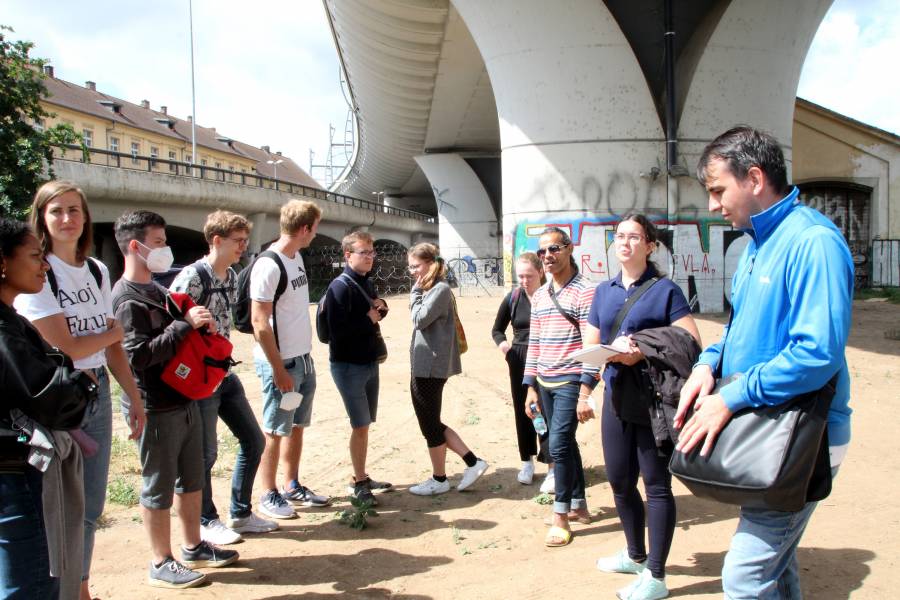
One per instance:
(487, 543)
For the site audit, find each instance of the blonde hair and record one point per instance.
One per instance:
(354, 237)
(297, 214)
(223, 223)
(532, 259)
(431, 254)
(45, 194)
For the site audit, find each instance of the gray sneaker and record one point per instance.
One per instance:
(376, 487)
(274, 505)
(300, 495)
(363, 493)
(173, 575)
(207, 555)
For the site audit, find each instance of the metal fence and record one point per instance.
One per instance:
(162, 166)
(885, 263)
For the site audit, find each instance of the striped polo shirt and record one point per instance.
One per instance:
(553, 337)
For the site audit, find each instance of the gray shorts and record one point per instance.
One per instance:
(171, 450)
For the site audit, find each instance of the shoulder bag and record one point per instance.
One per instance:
(771, 457)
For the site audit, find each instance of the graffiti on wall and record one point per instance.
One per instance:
(699, 254)
(468, 271)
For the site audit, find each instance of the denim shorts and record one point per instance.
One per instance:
(281, 422)
(358, 385)
(171, 450)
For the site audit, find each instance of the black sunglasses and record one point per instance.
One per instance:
(552, 249)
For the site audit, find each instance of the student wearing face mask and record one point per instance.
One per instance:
(171, 446)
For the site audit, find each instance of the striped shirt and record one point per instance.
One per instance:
(553, 337)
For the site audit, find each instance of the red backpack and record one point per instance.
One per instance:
(203, 358)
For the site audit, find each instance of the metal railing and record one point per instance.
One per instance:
(164, 166)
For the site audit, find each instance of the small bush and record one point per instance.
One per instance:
(121, 491)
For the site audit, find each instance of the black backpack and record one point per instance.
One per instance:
(240, 311)
(206, 283)
(93, 267)
(322, 330)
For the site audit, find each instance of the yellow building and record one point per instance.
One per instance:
(134, 135)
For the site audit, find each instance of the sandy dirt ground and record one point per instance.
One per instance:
(488, 542)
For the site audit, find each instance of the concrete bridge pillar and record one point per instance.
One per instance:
(582, 141)
(467, 225)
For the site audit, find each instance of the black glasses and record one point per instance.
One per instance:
(552, 249)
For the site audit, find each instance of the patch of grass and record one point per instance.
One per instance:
(457, 536)
(124, 456)
(105, 521)
(543, 499)
(121, 490)
(891, 294)
(496, 487)
(472, 419)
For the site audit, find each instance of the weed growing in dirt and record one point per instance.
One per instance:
(121, 491)
(124, 456)
(472, 419)
(357, 516)
(543, 499)
(454, 532)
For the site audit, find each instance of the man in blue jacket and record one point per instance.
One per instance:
(791, 300)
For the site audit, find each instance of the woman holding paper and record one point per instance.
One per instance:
(515, 309)
(629, 447)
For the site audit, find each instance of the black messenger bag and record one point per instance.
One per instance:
(772, 457)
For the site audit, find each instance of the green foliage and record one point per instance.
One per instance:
(121, 491)
(357, 516)
(23, 149)
(892, 295)
(543, 499)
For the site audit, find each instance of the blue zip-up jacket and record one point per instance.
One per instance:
(791, 296)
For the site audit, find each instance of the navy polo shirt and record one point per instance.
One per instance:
(660, 306)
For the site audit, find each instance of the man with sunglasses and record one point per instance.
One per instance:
(559, 386)
(353, 311)
(211, 282)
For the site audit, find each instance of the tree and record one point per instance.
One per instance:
(24, 150)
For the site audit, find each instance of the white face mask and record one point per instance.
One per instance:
(159, 260)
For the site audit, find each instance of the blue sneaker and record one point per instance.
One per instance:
(300, 495)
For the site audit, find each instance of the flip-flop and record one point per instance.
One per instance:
(557, 537)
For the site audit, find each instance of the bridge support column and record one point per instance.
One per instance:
(467, 225)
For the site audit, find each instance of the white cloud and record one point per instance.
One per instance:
(851, 65)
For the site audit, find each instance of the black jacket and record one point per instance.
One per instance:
(352, 334)
(670, 353)
(25, 369)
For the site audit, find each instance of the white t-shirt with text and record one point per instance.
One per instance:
(292, 308)
(85, 307)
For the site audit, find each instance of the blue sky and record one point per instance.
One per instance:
(267, 73)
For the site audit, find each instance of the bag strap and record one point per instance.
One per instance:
(93, 267)
(626, 308)
(279, 289)
(346, 278)
(568, 317)
(205, 282)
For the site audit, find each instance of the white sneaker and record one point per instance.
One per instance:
(252, 524)
(471, 474)
(217, 533)
(430, 487)
(548, 486)
(526, 475)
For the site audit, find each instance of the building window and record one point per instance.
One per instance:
(154, 154)
(87, 137)
(189, 159)
(135, 151)
(172, 157)
(113, 144)
(231, 175)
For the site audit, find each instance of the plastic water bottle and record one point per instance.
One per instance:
(540, 425)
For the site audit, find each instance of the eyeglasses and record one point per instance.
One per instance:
(240, 241)
(552, 249)
(369, 253)
(632, 238)
(414, 268)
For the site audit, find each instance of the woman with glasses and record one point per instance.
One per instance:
(434, 357)
(515, 309)
(73, 312)
(629, 446)
(559, 387)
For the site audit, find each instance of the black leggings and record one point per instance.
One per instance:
(515, 359)
(426, 395)
(630, 450)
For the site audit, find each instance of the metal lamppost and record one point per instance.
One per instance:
(275, 164)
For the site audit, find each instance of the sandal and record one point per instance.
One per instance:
(557, 537)
(573, 518)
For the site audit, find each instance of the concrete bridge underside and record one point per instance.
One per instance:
(577, 114)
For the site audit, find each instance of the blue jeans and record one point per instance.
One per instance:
(98, 425)
(230, 403)
(558, 405)
(24, 559)
(762, 560)
(282, 422)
